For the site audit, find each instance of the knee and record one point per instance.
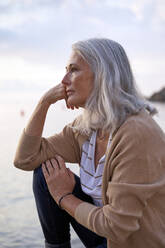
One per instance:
(38, 179)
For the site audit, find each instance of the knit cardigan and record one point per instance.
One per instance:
(133, 185)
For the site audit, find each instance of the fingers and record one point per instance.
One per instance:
(49, 167)
(61, 162)
(70, 106)
(54, 167)
(55, 163)
(44, 170)
(73, 107)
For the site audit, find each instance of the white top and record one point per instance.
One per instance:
(91, 179)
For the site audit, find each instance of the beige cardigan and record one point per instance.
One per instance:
(133, 187)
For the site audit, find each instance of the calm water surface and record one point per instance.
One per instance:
(19, 225)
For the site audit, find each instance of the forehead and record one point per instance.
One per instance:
(75, 58)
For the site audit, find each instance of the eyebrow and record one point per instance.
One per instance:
(70, 65)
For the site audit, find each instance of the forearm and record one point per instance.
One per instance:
(32, 149)
(37, 120)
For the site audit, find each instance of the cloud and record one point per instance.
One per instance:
(38, 34)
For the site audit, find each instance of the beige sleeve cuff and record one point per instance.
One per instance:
(82, 213)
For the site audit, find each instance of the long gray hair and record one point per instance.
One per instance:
(114, 95)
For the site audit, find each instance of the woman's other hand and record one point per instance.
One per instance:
(60, 180)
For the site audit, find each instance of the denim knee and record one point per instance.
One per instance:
(39, 180)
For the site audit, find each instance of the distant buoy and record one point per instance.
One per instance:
(22, 113)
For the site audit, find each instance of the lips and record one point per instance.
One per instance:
(69, 92)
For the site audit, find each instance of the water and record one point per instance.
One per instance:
(19, 225)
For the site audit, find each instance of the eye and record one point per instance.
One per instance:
(73, 69)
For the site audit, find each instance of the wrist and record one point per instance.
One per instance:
(61, 198)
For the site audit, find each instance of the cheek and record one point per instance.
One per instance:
(82, 84)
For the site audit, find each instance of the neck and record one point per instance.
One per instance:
(102, 135)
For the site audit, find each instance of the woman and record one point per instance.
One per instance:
(121, 151)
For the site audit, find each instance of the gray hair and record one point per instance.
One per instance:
(114, 95)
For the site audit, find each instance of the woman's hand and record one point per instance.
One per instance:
(60, 180)
(55, 94)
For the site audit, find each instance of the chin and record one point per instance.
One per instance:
(74, 102)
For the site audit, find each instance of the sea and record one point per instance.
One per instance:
(19, 224)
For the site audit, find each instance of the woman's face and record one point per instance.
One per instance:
(78, 80)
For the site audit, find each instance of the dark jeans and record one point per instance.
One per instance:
(56, 222)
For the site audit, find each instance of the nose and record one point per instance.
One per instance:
(66, 80)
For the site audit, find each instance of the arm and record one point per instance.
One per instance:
(135, 165)
(37, 120)
(33, 149)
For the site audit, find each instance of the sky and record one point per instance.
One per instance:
(36, 38)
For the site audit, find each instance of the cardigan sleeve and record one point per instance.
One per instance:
(33, 150)
(136, 159)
